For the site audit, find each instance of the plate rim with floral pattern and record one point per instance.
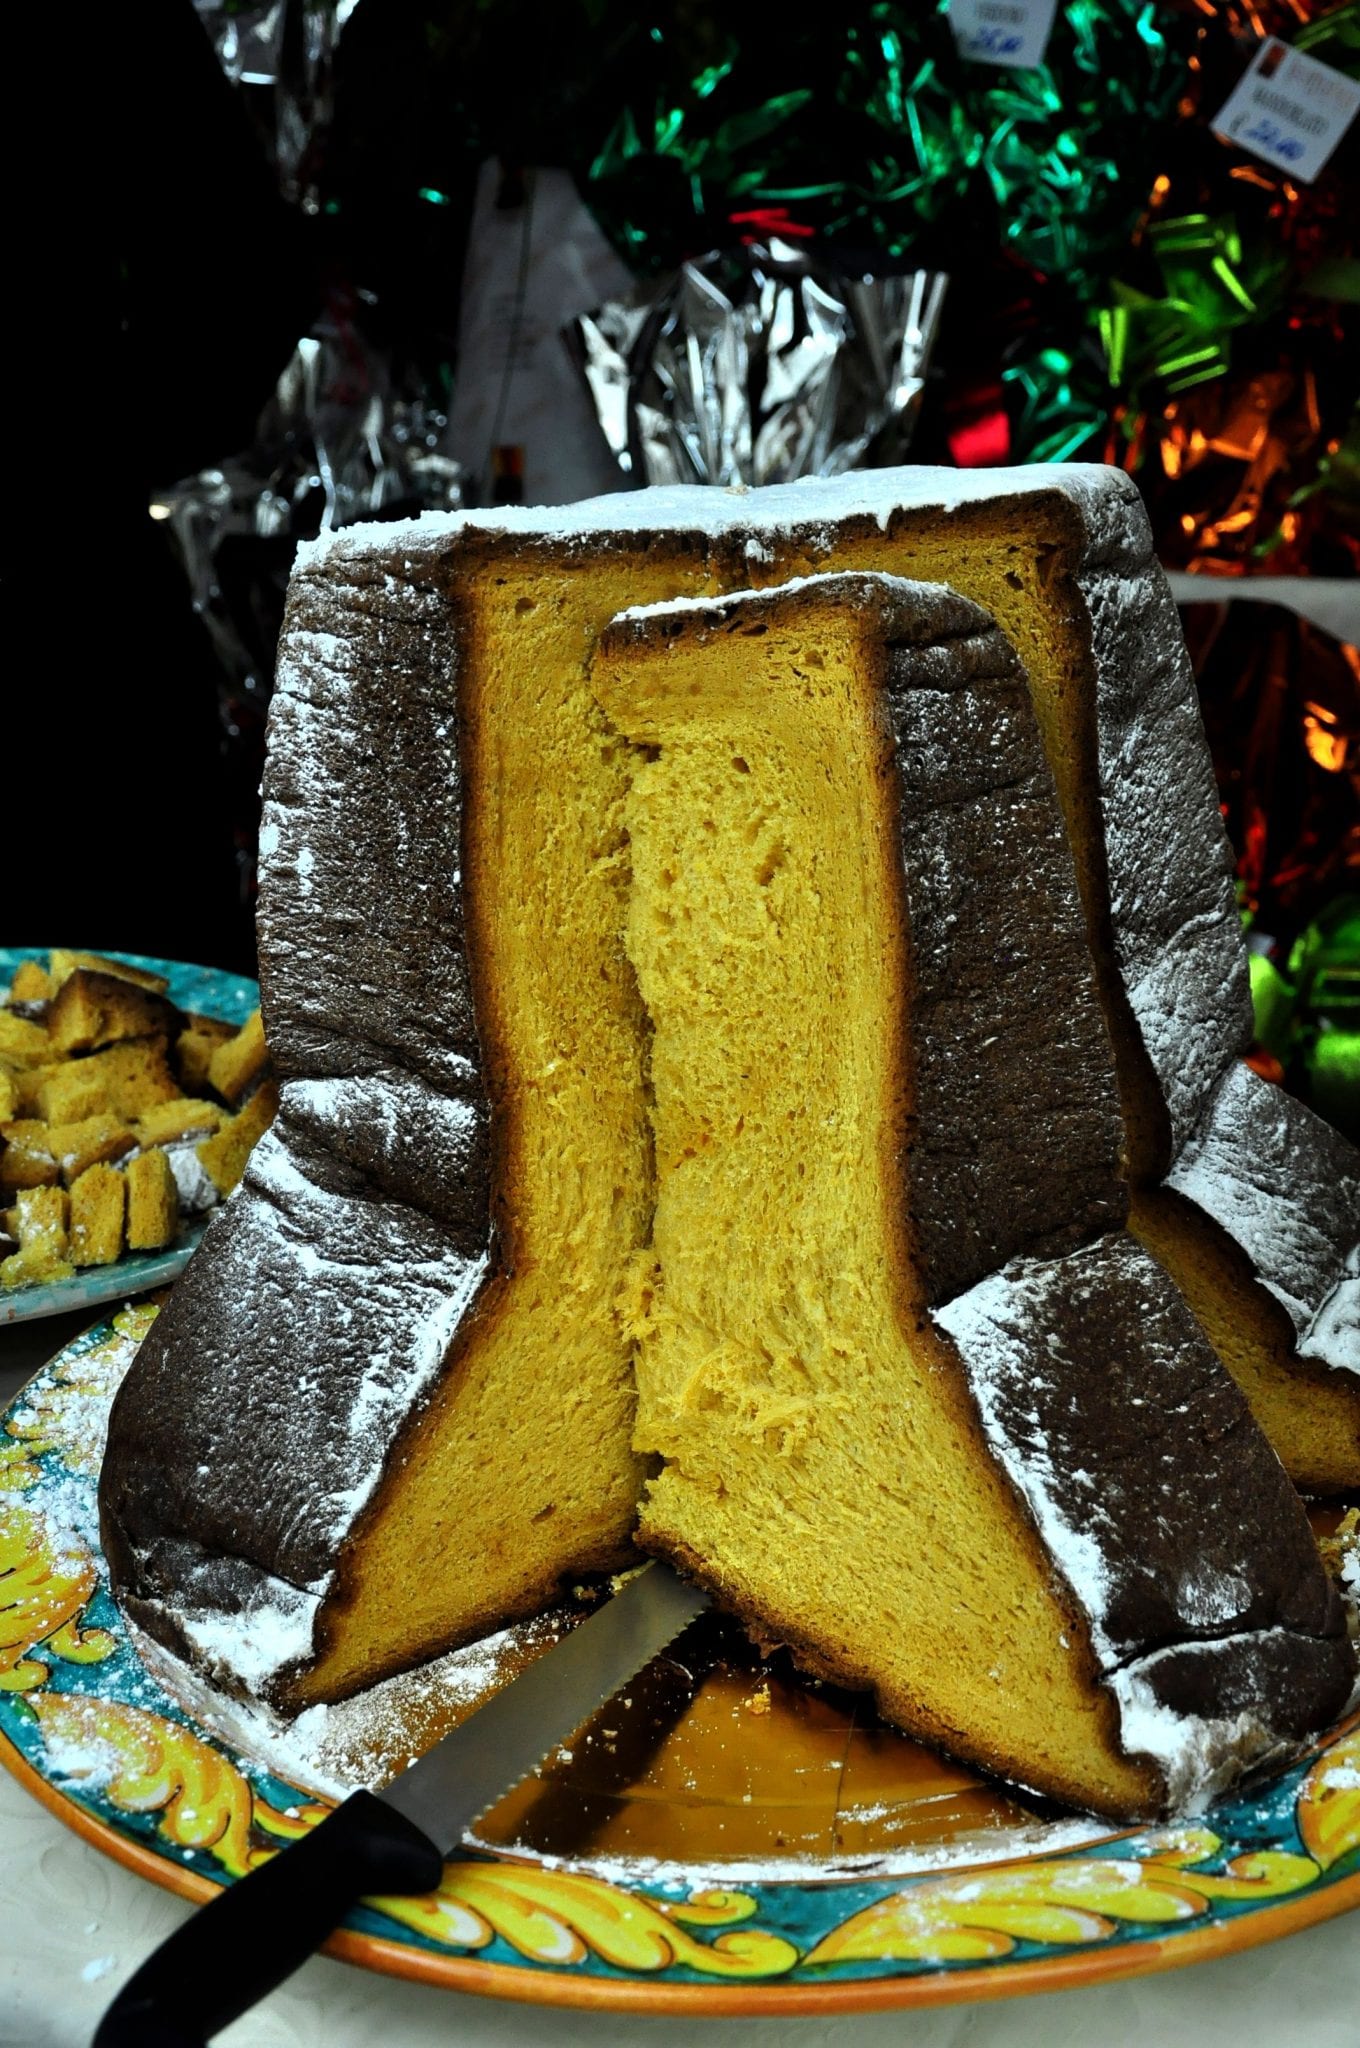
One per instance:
(213, 993)
(85, 1728)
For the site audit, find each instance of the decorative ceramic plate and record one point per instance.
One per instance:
(724, 1839)
(213, 993)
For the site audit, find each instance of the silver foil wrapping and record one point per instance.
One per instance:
(282, 56)
(341, 438)
(759, 365)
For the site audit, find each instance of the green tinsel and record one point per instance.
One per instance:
(1308, 1012)
(899, 133)
(1032, 188)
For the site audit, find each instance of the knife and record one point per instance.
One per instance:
(256, 1932)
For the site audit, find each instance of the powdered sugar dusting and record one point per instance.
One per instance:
(1145, 1556)
(363, 1741)
(846, 583)
(196, 1190)
(1333, 1336)
(1286, 1187)
(68, 1406)
(1177, 938)
(715, 511)
(958, 1852)
(1199, 1756)
(333, 1750)
(989, 1324)
(275, 1631)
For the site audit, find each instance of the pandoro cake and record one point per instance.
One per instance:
(391, 1402)
(926, 1413)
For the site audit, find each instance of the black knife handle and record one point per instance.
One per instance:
(256, 1932)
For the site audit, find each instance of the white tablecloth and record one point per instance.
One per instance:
(73, 1925)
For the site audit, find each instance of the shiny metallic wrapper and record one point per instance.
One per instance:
(338, 440)
(758, 365)
(283, 55)
(342, 437)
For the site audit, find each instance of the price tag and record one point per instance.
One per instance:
(1013, 32)
(1289, 110)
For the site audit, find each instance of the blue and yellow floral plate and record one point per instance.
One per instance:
(213, 993)
(725, 1840)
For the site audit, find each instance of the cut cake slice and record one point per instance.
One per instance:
(926, 1413)
(390, 1402)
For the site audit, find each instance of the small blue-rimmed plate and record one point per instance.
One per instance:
(211, 993)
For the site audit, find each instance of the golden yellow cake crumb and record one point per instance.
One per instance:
(41, 1219)
(195, 1047)
(68, 1093)
(186, 1117)
(224, 1155)
(9, 1101)
(23, 1042)
(98, 1199)
(88, 1143)
(31, 984)
(63, 963)
(237, 1064)
(1342, 1547)
(27, 1160)
(135, 1075)
(152, 1202)
(91, 1009)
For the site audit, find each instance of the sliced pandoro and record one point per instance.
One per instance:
(389, 1405)
(390, 1402)
(926, 1412)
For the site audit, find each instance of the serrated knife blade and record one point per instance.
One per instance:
(256, 1932)
(482, 1759)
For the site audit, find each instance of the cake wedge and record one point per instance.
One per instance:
(926, 1413)
(390, 1404)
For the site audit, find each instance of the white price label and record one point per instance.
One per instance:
(1289, 110)
(1013, 32)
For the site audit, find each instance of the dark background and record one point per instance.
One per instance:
(167, 290)
(168, 282)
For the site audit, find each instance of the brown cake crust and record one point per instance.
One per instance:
(1003, 995)
(1286, 1188)
(349, 1272)
(254, 1427)
(1172, 1537)
(1003, 1000)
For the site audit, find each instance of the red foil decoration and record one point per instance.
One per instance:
(1282, 706)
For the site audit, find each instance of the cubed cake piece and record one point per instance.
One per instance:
(224, 1155)
(72, 1091)
(98, 1200)
(23, 1042)
(195, 1047)
(239, 1062)
(27, 1160)
(135, 1075)
(26, 1085)
(64, 962)
(152, 1202)
(41, 1220)
(9, 1105)
(31, 983)
(88, 1143)
(91, 1009)
(165, 1122)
